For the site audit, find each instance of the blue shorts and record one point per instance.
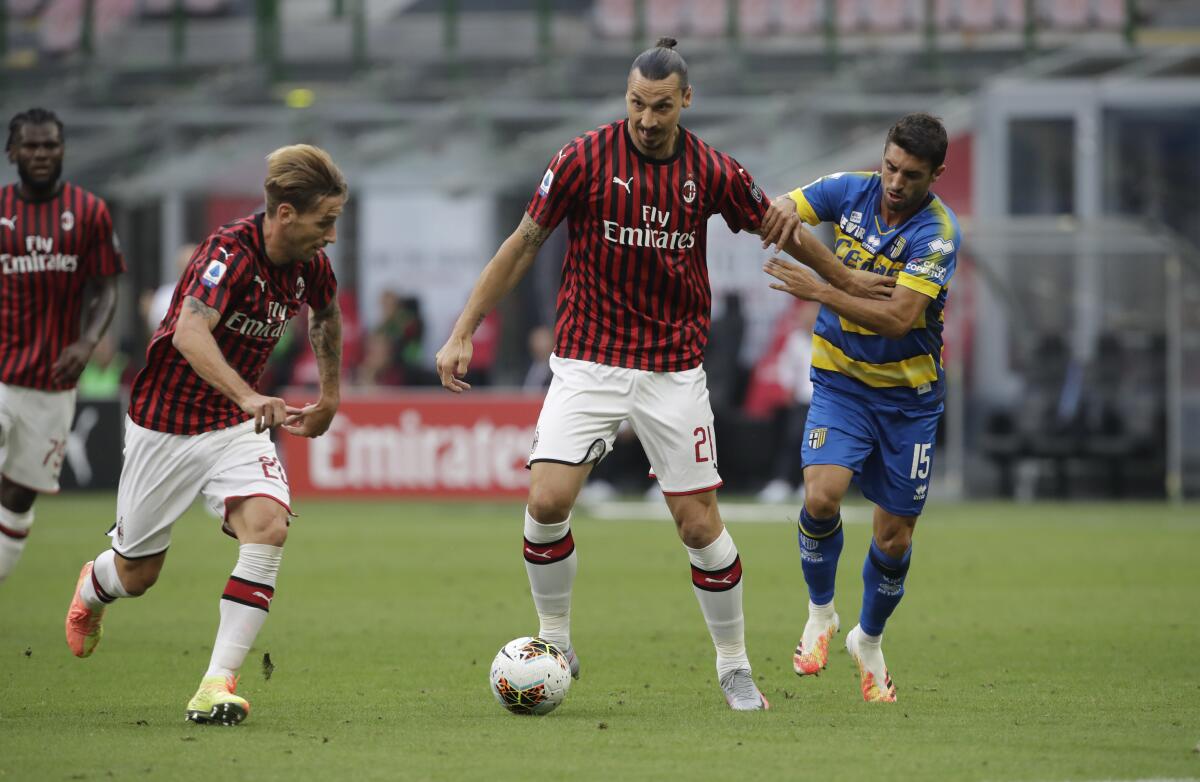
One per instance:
(889, 449)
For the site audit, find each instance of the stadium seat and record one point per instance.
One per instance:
(61, 28)
(978, 15)
(614, 18)
(886, 16)
(708, 18)
(801, 17)
(1065, 14)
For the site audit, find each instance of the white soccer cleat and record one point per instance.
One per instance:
(741, 693)
(877, 685)
(572, 660)
(812, 653)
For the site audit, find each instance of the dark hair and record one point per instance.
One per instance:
(921, 135)
(660, 61)
(34, 116)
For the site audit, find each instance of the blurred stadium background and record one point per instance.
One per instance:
(1074, 336)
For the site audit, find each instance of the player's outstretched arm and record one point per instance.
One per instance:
(325, 335)
(783, 228)
(503, 272)
(99, 305)
(893, 317)
(194, 341)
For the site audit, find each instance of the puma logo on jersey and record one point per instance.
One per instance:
(264, 597)
(261, 283)
(9, 222)
(624, 184)
(542, 554)
(726, 581)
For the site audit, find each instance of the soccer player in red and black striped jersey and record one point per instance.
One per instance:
(197, 426)
(59, 263)
(632, 322)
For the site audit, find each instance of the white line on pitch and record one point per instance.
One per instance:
(752, 513)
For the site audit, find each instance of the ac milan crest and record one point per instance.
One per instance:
(689, 191)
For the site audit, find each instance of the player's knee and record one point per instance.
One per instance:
(697, 533)
(698, 525)
(821, 503)
(17, 499)
(137, 576)
(547, 506)
(268, 528)
(894, 540)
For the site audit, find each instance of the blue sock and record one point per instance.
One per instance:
(883, 586)
(820, 546)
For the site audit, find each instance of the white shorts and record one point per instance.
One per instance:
(669, 412)
(163, 473)
(34, 428)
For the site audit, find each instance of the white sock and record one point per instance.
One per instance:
(244, 606)
(823, 613)
(14, 529)
(104, 574)
(550, 563)
(717, 582)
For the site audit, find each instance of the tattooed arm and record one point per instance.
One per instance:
(325, 334)
(503, 272)
(194, 341)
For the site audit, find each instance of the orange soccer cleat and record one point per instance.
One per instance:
(83, 623)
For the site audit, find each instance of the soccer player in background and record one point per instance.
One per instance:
(59, 262)
(197, 426)
(633, 319)
(878, 381)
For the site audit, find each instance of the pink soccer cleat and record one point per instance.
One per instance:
(83, 623)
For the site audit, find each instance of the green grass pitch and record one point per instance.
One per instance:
(1038, 642)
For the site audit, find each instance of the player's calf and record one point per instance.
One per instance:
(14, 531)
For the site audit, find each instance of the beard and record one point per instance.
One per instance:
(43, 182)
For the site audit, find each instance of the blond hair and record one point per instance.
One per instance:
(301, 175)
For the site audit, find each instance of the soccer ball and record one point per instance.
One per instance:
(530, 676)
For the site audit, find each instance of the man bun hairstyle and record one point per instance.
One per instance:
(34, 116)
(301, 175)
(660, 61)
(921, 135)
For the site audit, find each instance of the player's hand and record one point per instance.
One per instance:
(794, 279)
(268, 411)
(452, 362)
(70, 363)
(781, 220)
(869, 285)
(313, 420)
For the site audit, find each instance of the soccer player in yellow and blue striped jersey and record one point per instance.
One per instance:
(878, 381)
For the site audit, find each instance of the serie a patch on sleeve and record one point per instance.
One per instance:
(213, 274)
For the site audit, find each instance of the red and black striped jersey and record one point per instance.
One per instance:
(229, 272)
(635, 290)
(48, 249)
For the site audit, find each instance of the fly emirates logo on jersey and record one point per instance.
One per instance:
(39, 257)
(271, 328)
(651, 234)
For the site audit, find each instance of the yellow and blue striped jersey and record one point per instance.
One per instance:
(920, 253)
